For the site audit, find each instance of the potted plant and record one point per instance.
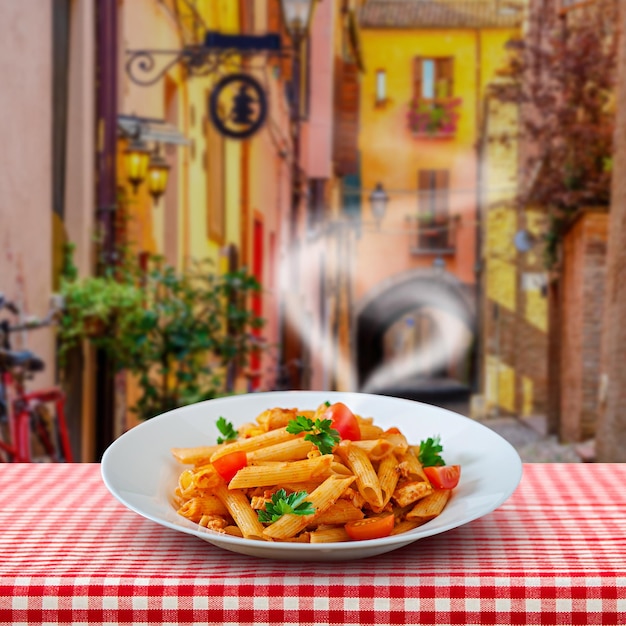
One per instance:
(180, 333)
(435, 118)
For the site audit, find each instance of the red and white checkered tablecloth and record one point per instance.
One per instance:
(554, 553)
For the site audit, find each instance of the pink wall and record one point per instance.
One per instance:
(25, 163)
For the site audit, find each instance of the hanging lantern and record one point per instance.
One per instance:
(136, 160)
(158, 172)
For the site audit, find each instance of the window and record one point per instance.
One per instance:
(433, 186)
(433, 78)
(433, 199)
(381, 86)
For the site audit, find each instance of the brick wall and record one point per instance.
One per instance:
(582, 288)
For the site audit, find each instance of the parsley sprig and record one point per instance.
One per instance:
(227, 429)
(319, 433)
(282, 503)
(428, 454)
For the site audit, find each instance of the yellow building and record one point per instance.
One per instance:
(421, 275)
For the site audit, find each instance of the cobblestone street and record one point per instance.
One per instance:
(530, 439)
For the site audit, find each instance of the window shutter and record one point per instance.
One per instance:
(444, 77)
(424, 188)
(346, 135)
(417, 77)
(441, 184)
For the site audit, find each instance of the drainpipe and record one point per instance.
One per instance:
(106, 192)
(481, 128)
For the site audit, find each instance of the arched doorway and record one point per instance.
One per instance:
(415, 333)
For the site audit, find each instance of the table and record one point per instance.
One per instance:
(554, 553)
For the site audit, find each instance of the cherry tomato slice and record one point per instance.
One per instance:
(443, 476)
(343, 421)
(370, 527)
(229, 464)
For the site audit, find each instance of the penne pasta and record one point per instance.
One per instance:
(193, 456)
(388, 477)
(268, 474)
(321, 499)
(430, 506)
(293, 450)
(369, 431)
(366, 479)
(329, 535)
(239, 508)
(376, 449)
(253, 443)
(309, 476)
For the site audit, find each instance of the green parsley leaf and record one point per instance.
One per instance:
(327, 403)
(227, 429)
(282, 503)
(319, 433)
(429, 452)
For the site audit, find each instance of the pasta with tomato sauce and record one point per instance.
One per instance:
(312, 476)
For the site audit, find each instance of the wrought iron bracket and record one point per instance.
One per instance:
(146, 67)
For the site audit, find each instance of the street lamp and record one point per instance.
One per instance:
(378, 201)
(297, 15)
(158, 172)
(136, 160)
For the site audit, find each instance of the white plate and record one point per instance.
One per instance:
(139, 470)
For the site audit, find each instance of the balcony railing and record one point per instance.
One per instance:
(432, 235)
(434, 118)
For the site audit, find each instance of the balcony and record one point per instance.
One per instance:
(432, 235)
(436, 118)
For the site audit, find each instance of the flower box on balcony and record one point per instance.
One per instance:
(434, 118)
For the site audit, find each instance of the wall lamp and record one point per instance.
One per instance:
(297, 16)
(142, 163)
(378, 201)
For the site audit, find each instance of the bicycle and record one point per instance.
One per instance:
(29, 430)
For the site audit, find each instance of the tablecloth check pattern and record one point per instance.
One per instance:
(554, 553)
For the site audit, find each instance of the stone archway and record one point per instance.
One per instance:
(434, 291)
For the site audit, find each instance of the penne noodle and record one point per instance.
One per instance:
(340, 469)
(254, 443)
(240, 510)
(340, 513)
(193, 456)
(293, 450)
(329, 535)
(196, 507)
(376, 449)
(430, 506)
(322, 498)
(274, 473)
(399, 442)
(404, 526)
(369, 431)
(411, 465)
(276, 418)
(366, 479)
(388, 477)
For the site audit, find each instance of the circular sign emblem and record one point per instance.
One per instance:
(238, 106)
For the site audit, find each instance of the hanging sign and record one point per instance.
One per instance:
(238, 106)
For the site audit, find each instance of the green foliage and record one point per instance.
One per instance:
(429, 452)
(179, 332)
(227, 429)
(319, 433)
(282, 503)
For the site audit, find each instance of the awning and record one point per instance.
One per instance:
(150, 129)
